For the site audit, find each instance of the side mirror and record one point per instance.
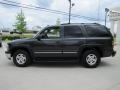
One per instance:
(40, 36)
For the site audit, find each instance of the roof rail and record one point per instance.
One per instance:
(70, 23)
(65, 23)
(79, 23)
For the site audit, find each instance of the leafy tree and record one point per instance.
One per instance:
(20, 24)
(57, 24)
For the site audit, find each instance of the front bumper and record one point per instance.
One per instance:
(8, 55)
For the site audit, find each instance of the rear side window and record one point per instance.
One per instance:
(72, 32)
(96, 31)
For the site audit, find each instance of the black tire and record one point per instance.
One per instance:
(91, 59)
(25, 56)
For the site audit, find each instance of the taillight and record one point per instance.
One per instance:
(113, 44)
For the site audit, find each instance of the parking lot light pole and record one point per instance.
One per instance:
(70, 6)
(106, 12)
(69, 10)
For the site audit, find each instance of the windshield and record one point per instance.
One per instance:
(36, 34)
(39, 32)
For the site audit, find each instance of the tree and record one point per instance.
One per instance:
(20, 24)
(57, 24)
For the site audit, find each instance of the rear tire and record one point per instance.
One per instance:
(91, 59)
(21, 58)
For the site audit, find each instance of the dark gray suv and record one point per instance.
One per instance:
(87, 42)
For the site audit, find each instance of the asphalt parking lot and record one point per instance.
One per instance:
(60, 76)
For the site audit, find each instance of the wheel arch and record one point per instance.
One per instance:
(22, 48)
(91, 48)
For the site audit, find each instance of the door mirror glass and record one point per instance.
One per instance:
(39, 37)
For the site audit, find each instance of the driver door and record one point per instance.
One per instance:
(49, 45)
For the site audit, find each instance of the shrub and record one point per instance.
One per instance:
(16, 36)
(10, 37)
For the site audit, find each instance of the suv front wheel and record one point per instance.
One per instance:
(91, 59)
(21, 58)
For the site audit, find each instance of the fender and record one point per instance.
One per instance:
(84, 47)
(26, 47)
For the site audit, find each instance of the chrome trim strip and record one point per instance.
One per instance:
(47, 52)
(54, 52)
(69, 52)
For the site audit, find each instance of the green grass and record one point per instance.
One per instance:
(26, 36)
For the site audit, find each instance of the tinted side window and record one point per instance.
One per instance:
(51, 33)
(72, 32)
(96, 31)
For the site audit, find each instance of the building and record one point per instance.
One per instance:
(114, 17)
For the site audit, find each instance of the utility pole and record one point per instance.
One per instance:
(70, 6)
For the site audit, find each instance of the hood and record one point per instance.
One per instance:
(22, 41)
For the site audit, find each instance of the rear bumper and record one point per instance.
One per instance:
(109, 52)
(8, 55)
(113, 53)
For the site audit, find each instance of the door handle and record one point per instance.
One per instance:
(59, 42)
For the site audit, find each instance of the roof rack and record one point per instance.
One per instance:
(80, 24)
(70, 23)
(65, 23)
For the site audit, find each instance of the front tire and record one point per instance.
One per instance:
(91, 59)
(21, 58)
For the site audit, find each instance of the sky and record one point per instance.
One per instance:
(88, 8)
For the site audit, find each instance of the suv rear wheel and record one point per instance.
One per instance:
(91, 59)
(21, 58)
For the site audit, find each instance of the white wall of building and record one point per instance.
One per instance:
(114, 16)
